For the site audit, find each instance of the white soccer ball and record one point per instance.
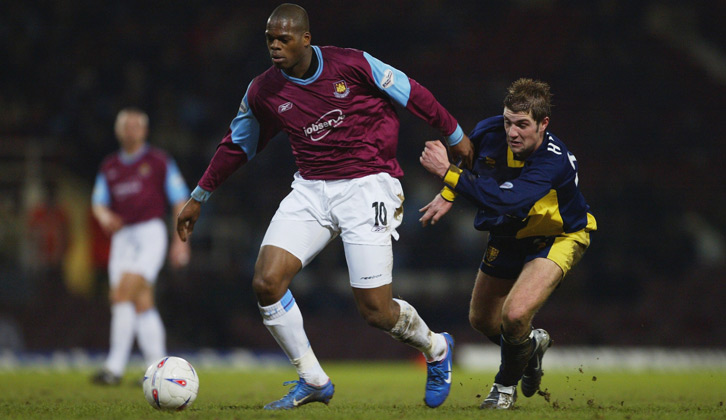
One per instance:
(171, 384)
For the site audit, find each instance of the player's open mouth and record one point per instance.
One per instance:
(277, 59)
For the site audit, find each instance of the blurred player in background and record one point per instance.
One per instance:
(129, 201)
(337, 107)
(525, 185)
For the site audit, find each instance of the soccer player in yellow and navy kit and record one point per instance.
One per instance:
(524, 182)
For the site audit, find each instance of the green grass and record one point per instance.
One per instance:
(377, 391)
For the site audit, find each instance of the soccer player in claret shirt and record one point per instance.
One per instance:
(130, 197)
(336, 106)
(524, 182)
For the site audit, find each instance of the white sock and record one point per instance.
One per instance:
(123, 317)
(151, 335)
(309, 368)
(412, 330)
(285, 322)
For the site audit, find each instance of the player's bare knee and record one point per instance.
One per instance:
(483, 322)
(118, 295)
(144, 301)
(268, 287)
(142, 307)
(478, 323)
(516, 322)
(115, 299)
(129, 288)
(475, 320)
(262, 286)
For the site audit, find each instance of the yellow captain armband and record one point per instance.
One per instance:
(448, 194)
(452, 176)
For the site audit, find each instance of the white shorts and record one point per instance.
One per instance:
(138, 249)
(365, 212)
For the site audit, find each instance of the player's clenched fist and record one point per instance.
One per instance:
(434, 158)
(187, 217)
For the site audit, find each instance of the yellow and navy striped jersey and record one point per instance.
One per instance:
(538, 196)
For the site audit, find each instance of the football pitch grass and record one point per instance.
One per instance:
(373, 390)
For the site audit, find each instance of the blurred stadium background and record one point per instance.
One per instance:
(640, 92)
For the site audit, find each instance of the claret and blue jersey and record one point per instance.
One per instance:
(538, 196)
(341, 121)
(138, 187)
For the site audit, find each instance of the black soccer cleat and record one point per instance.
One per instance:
(104, 377)
(532, 377)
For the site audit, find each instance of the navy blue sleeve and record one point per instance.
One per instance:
(514, 198)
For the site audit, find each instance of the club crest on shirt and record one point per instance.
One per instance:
(144, 170)
(340, 89)
(491, 254)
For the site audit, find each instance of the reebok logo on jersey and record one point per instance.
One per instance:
(284, 107)
(388, 79)
(322, 127)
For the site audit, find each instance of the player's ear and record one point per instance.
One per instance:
(545, 122)
(307, 38)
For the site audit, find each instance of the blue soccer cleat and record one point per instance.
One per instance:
(438, 377)
(302, 393)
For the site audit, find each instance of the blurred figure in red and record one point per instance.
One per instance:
(48, 231)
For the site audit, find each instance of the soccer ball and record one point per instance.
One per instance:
(171, 384)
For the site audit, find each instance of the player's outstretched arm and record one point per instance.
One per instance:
(436, 161)
(434, 210)
(109, 221)
(179, 252)
(463, 150)
(187, 217)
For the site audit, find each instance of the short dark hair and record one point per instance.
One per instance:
(294, 13)
(527, 95)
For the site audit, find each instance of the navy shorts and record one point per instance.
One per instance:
(506, 255)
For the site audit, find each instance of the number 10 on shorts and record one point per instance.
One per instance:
(380, 217)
